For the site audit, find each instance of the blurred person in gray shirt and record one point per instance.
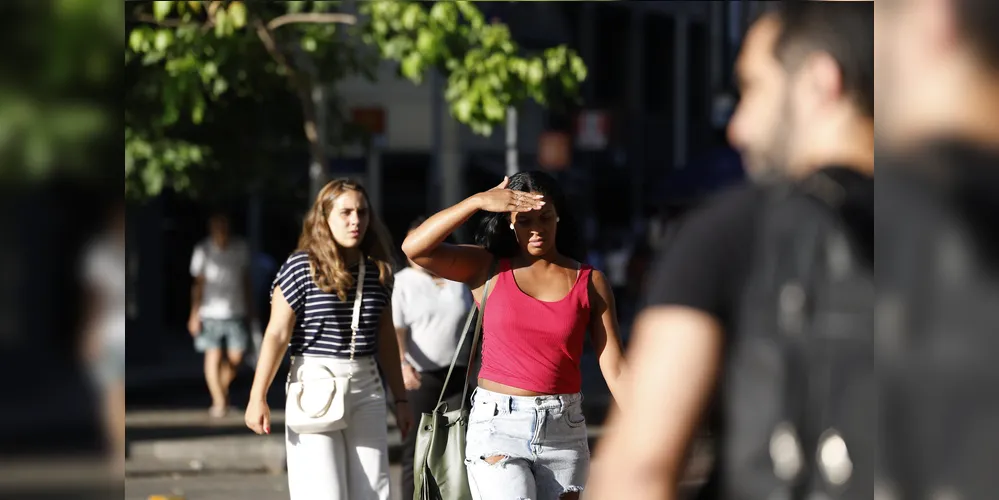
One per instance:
(429, 313)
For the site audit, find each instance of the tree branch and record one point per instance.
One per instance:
(210, 11)
(316, 17)
(267, 38)
(166, 23)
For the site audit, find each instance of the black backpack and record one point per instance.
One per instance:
(799, 393)
(938, 325)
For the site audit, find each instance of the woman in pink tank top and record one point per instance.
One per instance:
(526, 432)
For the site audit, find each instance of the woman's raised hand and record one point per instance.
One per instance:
(500, 199)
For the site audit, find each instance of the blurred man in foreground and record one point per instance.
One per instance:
(806, 114)
(938, 214)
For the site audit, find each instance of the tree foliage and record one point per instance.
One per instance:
(54, 101)
(191, 60)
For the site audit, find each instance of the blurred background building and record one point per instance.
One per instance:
(645, 143)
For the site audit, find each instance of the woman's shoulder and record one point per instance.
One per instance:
(299, 259)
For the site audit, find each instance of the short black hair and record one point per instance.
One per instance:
(977, 21)
(844, 30)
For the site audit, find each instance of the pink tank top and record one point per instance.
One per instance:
(531, 344)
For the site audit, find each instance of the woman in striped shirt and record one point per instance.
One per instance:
(312, 315)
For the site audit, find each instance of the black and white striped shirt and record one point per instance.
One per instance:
(322, 320)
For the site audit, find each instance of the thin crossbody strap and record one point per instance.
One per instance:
(355, 322)
(475, 339)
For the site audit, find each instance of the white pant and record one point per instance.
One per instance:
(351, 464)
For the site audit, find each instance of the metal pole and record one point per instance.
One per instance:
(434, 174)
(511, 141)
(317, 167)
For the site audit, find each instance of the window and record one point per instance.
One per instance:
(659, 65)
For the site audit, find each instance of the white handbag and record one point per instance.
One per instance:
(317, 398)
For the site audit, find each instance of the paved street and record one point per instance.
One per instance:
(222, 487)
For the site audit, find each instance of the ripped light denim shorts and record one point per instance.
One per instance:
(526, 447)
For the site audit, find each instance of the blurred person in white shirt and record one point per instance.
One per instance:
(104, 333)
(221, 307)
(429, 313)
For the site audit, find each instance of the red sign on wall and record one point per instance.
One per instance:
(371, 120)
(554, 150)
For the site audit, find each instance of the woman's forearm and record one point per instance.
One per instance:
(272, 351)
(388, 357)
(614, 375)
(422, 241)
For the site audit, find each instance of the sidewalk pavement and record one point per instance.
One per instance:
(171, 442)
(188, 443)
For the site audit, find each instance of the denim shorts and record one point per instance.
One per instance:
(216, 332)
(541, 441)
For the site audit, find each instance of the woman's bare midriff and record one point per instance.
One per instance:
(489, 385)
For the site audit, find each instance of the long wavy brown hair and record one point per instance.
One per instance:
(326, 263)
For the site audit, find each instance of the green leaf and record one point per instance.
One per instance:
(412, 67)
(161, 9)
(492, 108)
(309, 44)
(152, 58)
(535, 72)
(153, 177)
(445, 14)
(578, 69)
(413, 15)
(295, 7)
(221, 23)
(426, 42)
(135, 39)
(463, 110)
(237, 13)
(208, 70)
(198, 110)
(220, 86)
(163, 39)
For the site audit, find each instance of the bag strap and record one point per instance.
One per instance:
(475, 339)
(355, 322)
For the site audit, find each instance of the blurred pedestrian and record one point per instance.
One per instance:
(104, 330)
(721, 305)
(331, 307)
(938, 248)
(526, 432)
(221, 307)
(429, 314)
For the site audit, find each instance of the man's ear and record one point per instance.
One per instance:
(824, 77)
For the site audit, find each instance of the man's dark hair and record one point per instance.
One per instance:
(977, 21)
(844, 30)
